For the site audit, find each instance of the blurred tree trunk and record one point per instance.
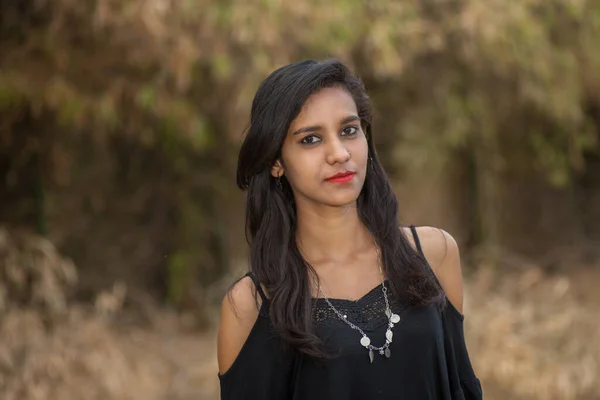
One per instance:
(588, 183)
(22, 191)
(485, 178)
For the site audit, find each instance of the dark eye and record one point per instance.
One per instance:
(350, 131)
(310, 139)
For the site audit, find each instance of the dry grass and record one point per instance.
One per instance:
(531, 336)
(534, 336)
(84, 357)
(33, 273)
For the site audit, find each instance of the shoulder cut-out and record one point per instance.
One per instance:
(443, 255)
(239, 312)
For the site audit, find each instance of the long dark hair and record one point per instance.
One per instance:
(271, 216)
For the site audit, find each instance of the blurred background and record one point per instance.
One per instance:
(121, 226)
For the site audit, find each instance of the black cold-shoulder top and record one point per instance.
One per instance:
(429, 358)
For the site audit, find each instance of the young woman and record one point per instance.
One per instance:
(341, 302)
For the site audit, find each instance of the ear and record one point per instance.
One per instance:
(277, 169)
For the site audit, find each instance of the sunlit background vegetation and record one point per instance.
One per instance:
(121, 225)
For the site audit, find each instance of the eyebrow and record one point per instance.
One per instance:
(315, 128)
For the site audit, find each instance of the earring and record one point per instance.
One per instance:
(278, 183)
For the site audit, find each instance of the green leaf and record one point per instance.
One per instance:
(146, 97)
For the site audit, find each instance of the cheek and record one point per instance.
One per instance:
(360, 151)
(302, 168)
(298, 164)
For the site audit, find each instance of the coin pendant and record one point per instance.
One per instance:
(365, 341)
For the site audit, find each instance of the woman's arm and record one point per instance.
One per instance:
(238, 315)
(251, 356)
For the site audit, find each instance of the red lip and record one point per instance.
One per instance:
(341, 177)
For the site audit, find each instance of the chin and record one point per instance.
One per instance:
(341, 201)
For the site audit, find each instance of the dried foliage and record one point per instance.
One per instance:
(33, 273)
(457, 67)
(85, 358)
(535, 336)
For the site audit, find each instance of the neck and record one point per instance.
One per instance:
(330, 234)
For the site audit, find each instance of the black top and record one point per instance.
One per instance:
(429, 358)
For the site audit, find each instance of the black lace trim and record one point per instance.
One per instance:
(368, 312)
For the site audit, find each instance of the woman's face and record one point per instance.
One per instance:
(325, 140)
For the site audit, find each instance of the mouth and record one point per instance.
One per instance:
(341, 177)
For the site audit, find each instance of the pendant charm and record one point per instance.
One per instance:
(371, 356)
(365, 341)
(388, 312)
(381, 351)
(389, 335)
(388, 352)
(395, 318)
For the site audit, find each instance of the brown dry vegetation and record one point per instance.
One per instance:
(86, 357)
(535, 336)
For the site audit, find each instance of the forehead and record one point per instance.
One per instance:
(327, 104)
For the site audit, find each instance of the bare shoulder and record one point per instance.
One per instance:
(239, 312)
(443, 255)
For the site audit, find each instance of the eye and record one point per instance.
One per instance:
(350, 131)
(310, 139)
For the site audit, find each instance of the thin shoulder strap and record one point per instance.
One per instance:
(417, 241)
(259, 288)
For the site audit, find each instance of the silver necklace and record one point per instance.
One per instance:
(365, 341)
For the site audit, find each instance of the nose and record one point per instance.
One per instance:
(337, 153)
